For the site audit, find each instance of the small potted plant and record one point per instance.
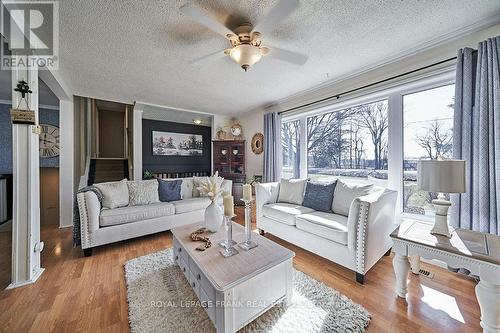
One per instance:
(221, 134)
(212, 188)
(148, 175)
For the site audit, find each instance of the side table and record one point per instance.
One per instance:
(475, 251)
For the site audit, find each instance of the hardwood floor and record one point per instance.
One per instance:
(77, 294)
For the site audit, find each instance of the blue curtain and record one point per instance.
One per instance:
(476, 136)
(272, 147)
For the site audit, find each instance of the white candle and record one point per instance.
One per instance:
(228, 205)
(247, 192)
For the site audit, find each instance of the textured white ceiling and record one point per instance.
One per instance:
(139, 50)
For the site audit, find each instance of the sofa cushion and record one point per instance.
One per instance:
(319, 196)
(143, 192)
(345, 194)
(169, 190)
(326, 225)
(189, 205)
(186, 188)
(114, 194)
(197, 183)
(130, 214)
(292, 191)
(284, 212)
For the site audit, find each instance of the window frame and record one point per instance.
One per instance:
(392, 92)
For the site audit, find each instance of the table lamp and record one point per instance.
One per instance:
(442, 176)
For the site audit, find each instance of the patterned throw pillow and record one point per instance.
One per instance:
(197, 183)
(319, 196)
(114, 194)
(169, 190)
(143, 192)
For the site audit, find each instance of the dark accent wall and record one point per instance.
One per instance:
(174, 164)
(46, 117)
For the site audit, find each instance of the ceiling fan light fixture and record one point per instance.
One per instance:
(245, 55)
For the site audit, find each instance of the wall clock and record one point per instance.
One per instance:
(49, 141)
(258, 143)
(236, 130)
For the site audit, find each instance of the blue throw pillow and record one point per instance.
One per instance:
(169, 190)
(319, 196)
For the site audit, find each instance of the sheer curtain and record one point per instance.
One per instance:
(272, 147)
(476, 136)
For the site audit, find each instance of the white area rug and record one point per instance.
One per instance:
(161, 300)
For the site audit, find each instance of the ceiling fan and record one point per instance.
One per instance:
(246, 43)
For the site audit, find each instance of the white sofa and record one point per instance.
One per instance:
(356, 241)
(101, 226)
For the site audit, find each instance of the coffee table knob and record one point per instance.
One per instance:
(198, 277)
(194, 284)
(183, 269)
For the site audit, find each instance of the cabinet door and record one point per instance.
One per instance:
(237, 159)
(221, 158)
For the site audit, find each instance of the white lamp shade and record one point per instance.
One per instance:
(446, 176)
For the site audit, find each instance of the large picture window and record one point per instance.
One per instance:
(428, 134)
(376, 138)
(290, 140)
(350, 144)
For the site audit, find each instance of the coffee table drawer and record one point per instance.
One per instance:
(179, 251)
(207, 303)
(184, 268)
(202, 280)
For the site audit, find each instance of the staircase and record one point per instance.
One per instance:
(107, 170)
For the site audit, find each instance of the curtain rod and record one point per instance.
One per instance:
(337, 96)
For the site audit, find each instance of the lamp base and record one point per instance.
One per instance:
(441, 227)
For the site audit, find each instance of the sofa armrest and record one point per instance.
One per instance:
(264, 194)
(89, 209)
(371, 221)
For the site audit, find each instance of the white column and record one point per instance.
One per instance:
(137, 141)
(66, 163)
(26, 244)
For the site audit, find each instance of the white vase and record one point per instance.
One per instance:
(213, 217)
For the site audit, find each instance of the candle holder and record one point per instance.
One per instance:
(248, 244)
(227, 245)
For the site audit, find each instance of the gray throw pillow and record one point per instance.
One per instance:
(292, 191)
(143, 192)
(319, 196)
(345, 194)
(114, 194)
(169, 190)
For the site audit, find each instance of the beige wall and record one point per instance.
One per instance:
(253, 123)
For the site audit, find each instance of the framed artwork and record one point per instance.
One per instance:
(177, 144)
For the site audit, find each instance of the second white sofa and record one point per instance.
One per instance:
(356, 240)
(101, 226)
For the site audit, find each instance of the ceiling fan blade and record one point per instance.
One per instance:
(203, 18)
(207, 58)
(288, 56)
(279, 12)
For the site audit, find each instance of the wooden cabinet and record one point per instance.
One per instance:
(229, 161)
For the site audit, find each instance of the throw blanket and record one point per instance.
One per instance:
(77, 235)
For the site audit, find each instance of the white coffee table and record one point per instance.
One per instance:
(235, 290)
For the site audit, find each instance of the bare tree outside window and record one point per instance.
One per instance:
(428, 134)
(350, 143)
